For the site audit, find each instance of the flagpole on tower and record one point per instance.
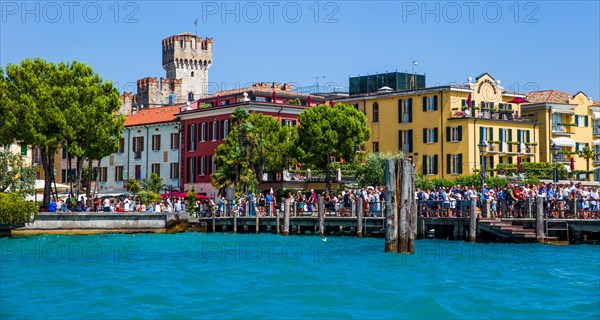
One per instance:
(196, 25)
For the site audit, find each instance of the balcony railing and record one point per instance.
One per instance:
(506, 115)
(597, 158)
(559, 129)
(596, 130)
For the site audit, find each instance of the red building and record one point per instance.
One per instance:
(204, 129)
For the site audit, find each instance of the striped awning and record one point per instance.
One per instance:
(597, 142)
(565, 111)
(563, 142)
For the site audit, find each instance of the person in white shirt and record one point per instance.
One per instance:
(127, 205)
(157, 207)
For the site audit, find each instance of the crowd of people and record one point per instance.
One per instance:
(571, 200)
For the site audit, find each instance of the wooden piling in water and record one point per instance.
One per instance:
(286, 217)
(473, 220)
(214, 227)
(406, 201)
(321, 216)
(359, 217)
(277, 224)
(391, 227)
(539, 218)
(234, 215)
(257, 221)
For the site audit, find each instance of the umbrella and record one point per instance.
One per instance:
(39, 185)
(218, 101)
(518, 100)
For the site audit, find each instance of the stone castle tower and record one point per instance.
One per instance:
(186, 59)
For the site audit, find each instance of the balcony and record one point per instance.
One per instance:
(561, 128)
(492, 114)
(596, 131)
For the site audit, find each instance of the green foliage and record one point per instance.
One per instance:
(148, 197)
(324, 132)
(13, 209)
(465, 180)
(46, 105)
(532, 170)
(372, 172)
(153, 183)
(15, 175)
(191, 199)
(203, 105)
(133, 186)
(295, 101)
(587, 153)
(256, 144)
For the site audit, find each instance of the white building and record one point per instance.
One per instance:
(150, 144)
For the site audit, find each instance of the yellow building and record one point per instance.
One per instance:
(571, 122)
(437, 128)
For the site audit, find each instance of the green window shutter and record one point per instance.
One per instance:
(510, 160)
(460, 169)
(399, 111)
(435, 134)
(410, 140)
(400, 140)
(576, 120)
(23, 149)
(424, 135)
(447, 134)
(424, 104)
(472, 112)
(482, 105)
(435, 164)
(463, 103)
(527, 136)
(424, 165)
(448, 163)
(481, 133)
(586, 121)
(63, 176)
(519, 136)
(491, 134)
(510, 139)
(435, 103)
(472, 103)
(491, 105)
(410, 110)
(459, 133)
(491, 166)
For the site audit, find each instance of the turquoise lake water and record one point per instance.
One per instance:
(194, 275)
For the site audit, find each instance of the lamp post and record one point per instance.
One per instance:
(482, 148)
(554, 149)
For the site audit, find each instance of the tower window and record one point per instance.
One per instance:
(190, 96)
(192, 73)
(182, 44)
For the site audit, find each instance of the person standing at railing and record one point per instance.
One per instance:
(511, 199)
(594, 201)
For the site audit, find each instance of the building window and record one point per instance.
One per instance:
(137, 147)
(202, 132)
(156, 168)
(430, 165)
(191, 94)
(103, 174)
(405, 142)
(191, 137)
(596, 126)
(215, 130)
(430, 135)
(63, 176)
(156, 142)
(375, 112)
(191, 169)
(405, 110)
(138, 171)
(174, 170)
(455, 163)
(375, 146)
(581, 121)
(119, 173)
(213, 165)
(64, 153)
(261, 99)
(225, 129)
(202, 166)
(175, 140)
(454, 134)
(430, 103)
(121, 145)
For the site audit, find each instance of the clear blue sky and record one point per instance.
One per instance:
(528, 45)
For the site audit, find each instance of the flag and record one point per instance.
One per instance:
(331, 103)
(469, 100)
(273, 97)
(196, 22)
(308, 100)
(572, 164)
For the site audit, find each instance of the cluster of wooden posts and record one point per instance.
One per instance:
(401, 206)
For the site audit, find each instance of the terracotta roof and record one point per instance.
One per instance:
(263, 87)
(549, 96)
(153, 115)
